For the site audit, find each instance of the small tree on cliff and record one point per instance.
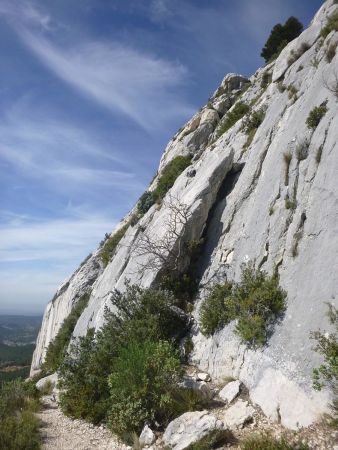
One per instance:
(280, 36)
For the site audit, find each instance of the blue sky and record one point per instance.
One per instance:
(90, 93)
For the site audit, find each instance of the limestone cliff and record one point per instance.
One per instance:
(247, 203)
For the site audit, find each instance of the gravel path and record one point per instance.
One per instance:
(62, 433)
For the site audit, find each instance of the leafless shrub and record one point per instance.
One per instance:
(166, 252)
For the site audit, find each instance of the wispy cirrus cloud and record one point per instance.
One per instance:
(63, 156)
(32, 239)
(118, 77)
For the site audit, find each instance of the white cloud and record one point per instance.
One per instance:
(117, 77)
(37, 255)
(62, 156)
(25, 12)
(52, 240)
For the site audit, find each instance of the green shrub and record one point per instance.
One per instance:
(233, 116)
(19, 428)
(292, 92)
(83, 378)
(214, 313)
(182, 285)
(253, 120)
(167, 179)
(251, 124)
(290, 203)
(279, 37)
(266, 79)
(327, 373)
(332, 25)
(316, 116)
(57, 348)
(146, 202)
(139, 314)
(144, 314)
(213, 440)
(267, 442)
(143, 375)
(184, 400)
(256, 302)
(169, 175)
(111, 243)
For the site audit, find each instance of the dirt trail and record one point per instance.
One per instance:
(62, 433)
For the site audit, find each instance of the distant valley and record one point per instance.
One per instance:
(17, 341)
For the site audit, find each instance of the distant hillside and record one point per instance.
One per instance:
(17, 341)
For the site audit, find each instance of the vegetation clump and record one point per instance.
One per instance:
(215, 311)
(251, 124)
(146, 201)
(138, 315)
(316, 116)
(327, 373)
(332, 25)
(19, 427)
(292, 92)
(57, 348)
(266, 442)
(111, 243)
(256, 302)
(233, 116)
(167, 179)
(279, 37)
(290, 203)
(213, 440)
(143, 375)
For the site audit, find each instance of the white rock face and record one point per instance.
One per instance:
(237, 198)
(230, 391)
(237, 415)
(59, 308)
(189, 428)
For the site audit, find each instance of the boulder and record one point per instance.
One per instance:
(189, 428)
(238, 415)
(230, 391)
(147, 437)
(49, 380)
(203, 376)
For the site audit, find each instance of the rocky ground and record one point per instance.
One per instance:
(230, 408)
(62, 433)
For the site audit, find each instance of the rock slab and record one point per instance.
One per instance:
(238, 415)
(189, 428)
(230, 391)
